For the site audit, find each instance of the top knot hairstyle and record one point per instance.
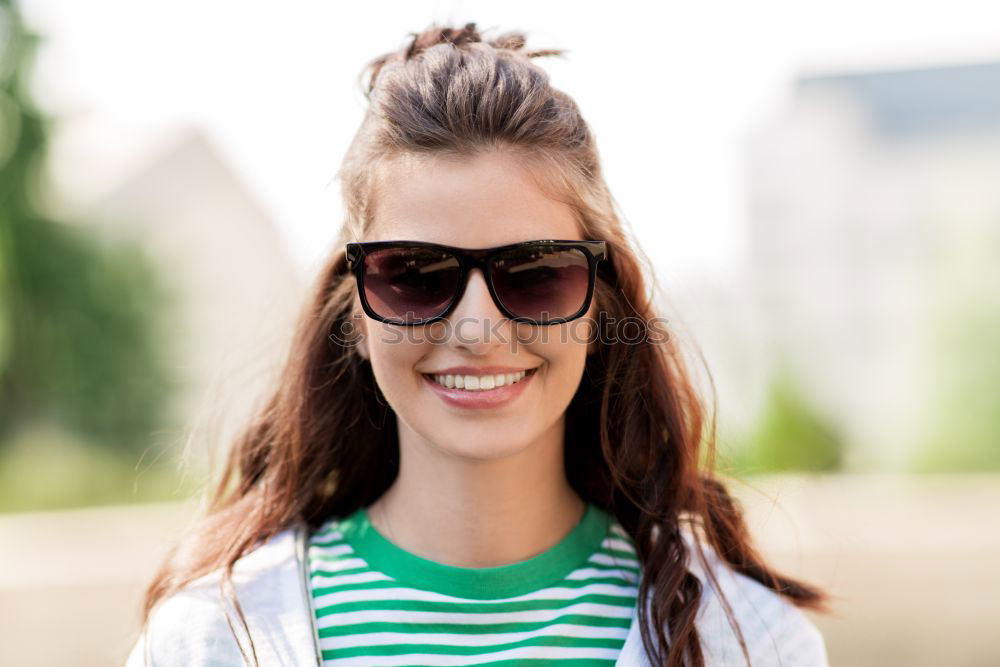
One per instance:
(324, 442)
(457, 37)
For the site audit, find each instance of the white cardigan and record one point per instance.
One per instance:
(189, 628)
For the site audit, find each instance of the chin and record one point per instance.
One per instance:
(474, 446)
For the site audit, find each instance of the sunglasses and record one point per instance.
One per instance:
(415, 282)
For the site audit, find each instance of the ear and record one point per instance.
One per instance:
(361, 346)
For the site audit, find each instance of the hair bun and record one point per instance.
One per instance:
(512, 41)
(437, 34)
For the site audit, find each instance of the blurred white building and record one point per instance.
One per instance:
(875, 217)
(237, 286)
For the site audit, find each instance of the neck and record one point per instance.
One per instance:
(478, 513)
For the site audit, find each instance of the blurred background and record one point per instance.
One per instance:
(817, 188)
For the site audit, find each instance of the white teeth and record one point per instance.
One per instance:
(478, 382)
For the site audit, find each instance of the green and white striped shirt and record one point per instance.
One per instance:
(377, 604)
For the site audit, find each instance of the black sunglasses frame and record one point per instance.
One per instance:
(477, 258)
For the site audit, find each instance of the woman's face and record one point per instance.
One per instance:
(477, 203)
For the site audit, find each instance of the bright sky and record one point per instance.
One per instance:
(670, 90)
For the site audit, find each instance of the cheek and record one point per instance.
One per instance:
(393, 359)
(565, 354)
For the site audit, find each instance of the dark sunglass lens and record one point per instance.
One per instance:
(542, 283)
(410, 284)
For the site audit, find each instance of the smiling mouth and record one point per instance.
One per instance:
(479, 383)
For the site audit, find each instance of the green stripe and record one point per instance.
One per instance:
(472, 608)
(570, 662)
(374, 585)
(318, 571)
(441, 649)
(612, 570)
(542, 662)
(348, 629)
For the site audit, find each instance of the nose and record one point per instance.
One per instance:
(476, 321)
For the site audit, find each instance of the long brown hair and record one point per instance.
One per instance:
(325, 442)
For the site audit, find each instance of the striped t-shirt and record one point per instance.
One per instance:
(377, 604)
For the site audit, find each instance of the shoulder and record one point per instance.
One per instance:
(192, 625)
(186, 628)
(775, 630)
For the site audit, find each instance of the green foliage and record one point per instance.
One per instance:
(962, 432)
(790, 435)
(80, 348)
(43, 468)
(85, 348)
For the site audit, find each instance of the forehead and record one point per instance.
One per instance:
(472, 202)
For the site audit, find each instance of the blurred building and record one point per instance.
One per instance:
(874, 218)
(237, 286)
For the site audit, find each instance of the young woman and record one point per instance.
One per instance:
(484, 448)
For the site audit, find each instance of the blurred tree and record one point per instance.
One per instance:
(790, 434)
(79, 318)
(961, 430)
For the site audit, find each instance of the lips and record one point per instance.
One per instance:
(483, 398)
